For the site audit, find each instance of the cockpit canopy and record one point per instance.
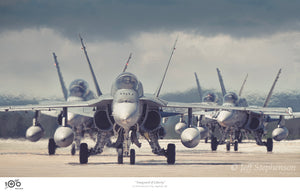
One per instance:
(127, 81)
(78, 88)
(230, 98)
(210, 97)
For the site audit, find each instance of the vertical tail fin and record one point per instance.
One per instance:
(163, 78)
(126, 65)
(198, 86)
(271, 90)
(62, 83)
(242, 88)
(221, 82)
(99, 93)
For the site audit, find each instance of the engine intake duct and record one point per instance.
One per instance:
(152, 121)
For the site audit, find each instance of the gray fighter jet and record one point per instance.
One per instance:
(78, 91)
(234, 118)
(251, 122)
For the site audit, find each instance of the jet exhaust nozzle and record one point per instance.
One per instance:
(190, 137)
(280, 133)
(63, 136)
(34, 133)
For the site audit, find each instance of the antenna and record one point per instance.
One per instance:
(62, 83)
(162, 81)
(271, 90)
(126, 65)
(242, 88)
(99, 93)
(221, 82)
(198, 86)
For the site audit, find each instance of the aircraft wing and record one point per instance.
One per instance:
(264, 110)
(100, 101)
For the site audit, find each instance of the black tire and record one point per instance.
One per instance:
(73, 149)
(171, 153)
(236, 146)
(228, 145)
(120, 155)
(206, 140)
(51, 146)
(214, 144)
(269, 144)
(83, 153)
(132, 156)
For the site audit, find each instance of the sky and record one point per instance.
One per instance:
(237, 36)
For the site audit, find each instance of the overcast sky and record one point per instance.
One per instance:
(238, 36)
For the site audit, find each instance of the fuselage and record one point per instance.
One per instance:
(126, 92)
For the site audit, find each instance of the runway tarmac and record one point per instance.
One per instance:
(21, 158)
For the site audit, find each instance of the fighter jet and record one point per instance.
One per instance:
(235, 117)
(252, 122)
(78, 91)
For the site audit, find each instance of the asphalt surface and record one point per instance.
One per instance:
(21, 158)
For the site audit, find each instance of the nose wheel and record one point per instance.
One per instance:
(235, 145)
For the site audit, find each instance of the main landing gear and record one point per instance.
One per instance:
(51, 146)
(269, 144)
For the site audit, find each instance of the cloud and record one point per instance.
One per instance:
(119, 19)
(27, 63)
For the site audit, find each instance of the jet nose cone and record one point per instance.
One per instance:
(224, 118)
(126, 114)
